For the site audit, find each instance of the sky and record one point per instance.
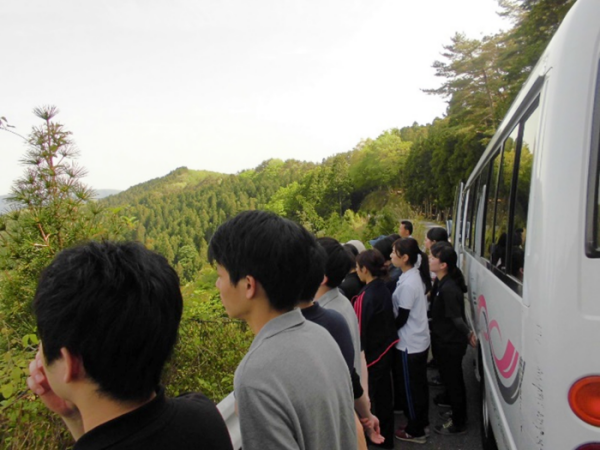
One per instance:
(148, 86)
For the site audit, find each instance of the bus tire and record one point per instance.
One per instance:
(488, 441)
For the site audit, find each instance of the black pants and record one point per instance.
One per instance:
(380, 392)
(413, 379)
(399, 394)
(450, 358)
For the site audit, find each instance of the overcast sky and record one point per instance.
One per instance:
(149, 86)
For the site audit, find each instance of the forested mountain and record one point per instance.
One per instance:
(176, 215)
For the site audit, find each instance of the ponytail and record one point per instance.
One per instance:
(374, 261)
(446, 254)
(416, 258)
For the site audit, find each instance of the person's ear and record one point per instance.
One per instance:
(74, 369)
(325, 280)
(251, 286)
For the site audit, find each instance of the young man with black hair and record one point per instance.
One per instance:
(293, 387)
(335, 323)
(406, 228)
(328, 296)
(108, 315)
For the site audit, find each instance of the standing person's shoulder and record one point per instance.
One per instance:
(194, 411)
(191, 421)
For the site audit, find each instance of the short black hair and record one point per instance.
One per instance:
(115, 305)
(437, 234)
(408, 225)
(385, 246)
(275, 251)
(338, 262)
(352, 252)
(315, 274)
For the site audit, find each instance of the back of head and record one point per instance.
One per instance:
(352, 252)
(357, 244)
(394, 237)
(385, 247)
(117, 306)
(373, 261)
(416, 258)
(437, 234)
(315, 274)
(338, 262)
(275, 251)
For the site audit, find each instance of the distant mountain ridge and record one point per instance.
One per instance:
(4, 204)
(175, 181)
(103, 193)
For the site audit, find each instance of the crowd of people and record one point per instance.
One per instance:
(343, 336)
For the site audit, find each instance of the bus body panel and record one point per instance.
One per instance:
(536, 343)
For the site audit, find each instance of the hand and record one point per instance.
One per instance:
(374, 436)
(371, 426)
(473, 339)
(38, 383)
(370, 422)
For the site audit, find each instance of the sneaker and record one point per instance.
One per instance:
(441, 400)
(404, 436)
(436, 381)
(445, 415)
(449, 429)
(403, 428)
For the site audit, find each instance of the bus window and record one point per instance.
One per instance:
(479, 205)
(473, 213)
(491, 207)
(503, 200)
(469, 216)
(525, 165)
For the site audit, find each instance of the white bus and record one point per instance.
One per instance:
(528, 235)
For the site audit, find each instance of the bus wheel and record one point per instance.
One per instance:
(488, 441)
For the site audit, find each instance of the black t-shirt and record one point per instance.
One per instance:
(335, 323)
(190, 421)
(447, 303)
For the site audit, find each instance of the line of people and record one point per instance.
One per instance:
(323, 371)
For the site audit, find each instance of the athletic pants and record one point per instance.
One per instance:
(380, 392)
(413, 378)
(450, 358)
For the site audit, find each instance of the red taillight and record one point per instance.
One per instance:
(584, 398)
(592, 446)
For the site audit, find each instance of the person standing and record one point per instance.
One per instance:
(374, 310)
(405, 230)
(293, 387)
(107, 314)
(450, 333)
(410, 310)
